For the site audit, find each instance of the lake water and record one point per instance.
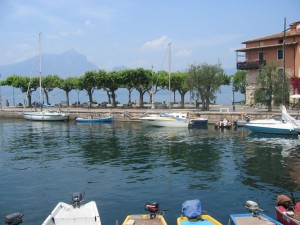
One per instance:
(125, 164)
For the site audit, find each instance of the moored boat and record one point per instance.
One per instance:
(287, 210)
(254, 217)
(166, 120)
(108, 119)
(192, 214)
(275, 128)
(74, 214)
(287, 125)
(65, 214)
(223, 123)
(152, 218)
(195, 121)
(45, 114)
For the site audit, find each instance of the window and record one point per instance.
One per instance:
(261, 56)
(261, 43)
(279, 54)
(280, 41)
(280, 71)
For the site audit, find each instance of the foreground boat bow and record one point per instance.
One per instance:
(75, 214)
(153, 218)
(254, 217)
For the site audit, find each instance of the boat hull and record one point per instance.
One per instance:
(248, 218)
(45, 116)
(198, 122)
(95, 120)
(144, 219)
(277, 128)
(286, 219)
(65, 214)
(164, 122)
(202, 220)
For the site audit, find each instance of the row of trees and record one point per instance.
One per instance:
(202, 80)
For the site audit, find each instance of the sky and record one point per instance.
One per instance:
(136, 33)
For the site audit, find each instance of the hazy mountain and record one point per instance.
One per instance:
(66, 64)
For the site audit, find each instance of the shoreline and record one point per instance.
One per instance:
(133, 114)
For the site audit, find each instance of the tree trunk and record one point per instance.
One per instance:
(141, 99)
(67, 98)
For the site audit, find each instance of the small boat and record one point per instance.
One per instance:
(108, 119)
(76, 213)
(287, 210)
(287, 125)
(197, 121)
(275, 128)
(245, 118)
(223, 123)
(166, 120)
(153, 218)
(254, 217)
(65, 214)
(192, 215)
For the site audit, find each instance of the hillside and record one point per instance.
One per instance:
(66, 64)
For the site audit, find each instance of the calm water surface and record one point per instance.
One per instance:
(123, 165)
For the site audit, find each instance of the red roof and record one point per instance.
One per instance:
(292, 31)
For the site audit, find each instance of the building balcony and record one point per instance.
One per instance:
(250, 65)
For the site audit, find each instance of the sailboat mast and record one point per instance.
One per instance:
(169, 75)
(284, 58)
(40, 69)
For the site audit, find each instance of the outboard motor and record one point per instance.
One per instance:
(14, 218)
(153, 208)
(253, 207)
(77, 198)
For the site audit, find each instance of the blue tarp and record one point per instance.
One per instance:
(191, 208)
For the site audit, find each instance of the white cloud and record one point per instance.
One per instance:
(78, 31)
(88, 23)
(157, 43)
(183, 53)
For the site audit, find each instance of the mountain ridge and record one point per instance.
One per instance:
(66, 64)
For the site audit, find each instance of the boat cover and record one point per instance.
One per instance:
(288, 118)
(191, 208)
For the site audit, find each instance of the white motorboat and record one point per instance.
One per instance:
(77, 213)
(288, 125)
(65, 214)
(166, 120)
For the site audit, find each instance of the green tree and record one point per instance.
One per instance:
(269, 88)
(27, 85)
(141, 80)
(205, 81)
(178, 83)
(49, 83)
(127, 79)
(68, 85)
(111, 82)
(88, 82)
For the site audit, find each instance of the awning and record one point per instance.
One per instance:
(295, 96)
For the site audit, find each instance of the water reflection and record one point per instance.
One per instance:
(120, 161)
